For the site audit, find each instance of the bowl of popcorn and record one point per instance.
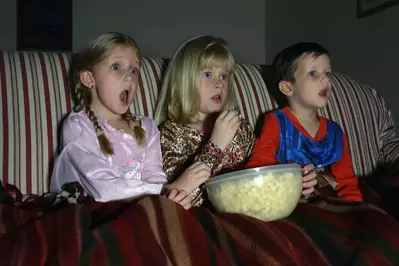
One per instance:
(268, 193)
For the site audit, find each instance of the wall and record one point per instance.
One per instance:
(367, 48)
(364, 48)
(8, 25)
(159, 26)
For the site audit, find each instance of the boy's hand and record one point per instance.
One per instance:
(225, 128)
(181, 197)
(309, 179)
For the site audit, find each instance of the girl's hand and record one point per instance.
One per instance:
(225, 128)
(309, 179)
(194, 176)
(181, 197)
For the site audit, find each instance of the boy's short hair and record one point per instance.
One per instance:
(285, 62)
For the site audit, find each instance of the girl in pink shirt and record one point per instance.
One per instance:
(111, 152)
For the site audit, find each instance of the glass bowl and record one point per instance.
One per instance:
(268, 193)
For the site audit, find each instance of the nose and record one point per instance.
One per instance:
(325, 77)
(128, 75)
(218, 83)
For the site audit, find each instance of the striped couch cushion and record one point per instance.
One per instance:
(251, 93)
(368, 122)
(35, 97)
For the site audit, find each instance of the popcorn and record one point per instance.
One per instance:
(267, 197)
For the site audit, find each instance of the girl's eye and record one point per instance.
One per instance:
(134, 71)
(329, 74)
(207, 74)
(224, 76)
(115, 67)
(312, 73)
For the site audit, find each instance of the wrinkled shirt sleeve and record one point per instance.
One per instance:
(153, 168)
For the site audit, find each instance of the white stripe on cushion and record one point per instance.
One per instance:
(251, 93)
(144, 102)
(347, 106)
(35, 97)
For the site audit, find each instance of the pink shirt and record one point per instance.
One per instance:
(130, 172)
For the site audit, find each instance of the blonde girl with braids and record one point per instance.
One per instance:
(111, 152)
(197, 114)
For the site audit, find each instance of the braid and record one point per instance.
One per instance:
(81, 98)
(105, 145)
(94, 53)
(139, 132)
(83, 101)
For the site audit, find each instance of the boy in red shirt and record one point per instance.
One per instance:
(296, 133)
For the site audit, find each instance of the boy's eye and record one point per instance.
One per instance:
(312, 73)
(329, 74)
(224, 77)
(115, 67)
(207, 74)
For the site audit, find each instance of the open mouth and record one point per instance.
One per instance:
(217, 98)
(124, 96)
(324, 92)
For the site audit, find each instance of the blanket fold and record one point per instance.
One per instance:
(69, 228)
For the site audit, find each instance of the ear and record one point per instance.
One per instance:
(286, 88)
(86, 77)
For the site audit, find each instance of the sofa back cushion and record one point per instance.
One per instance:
(360, 111)
(35, 97)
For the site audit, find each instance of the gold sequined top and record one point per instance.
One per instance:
(182, 146)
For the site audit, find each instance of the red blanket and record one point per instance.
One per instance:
(70, 229)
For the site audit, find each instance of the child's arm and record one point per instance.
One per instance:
(242, 145)
(153, 168)
(347, 182)
(177, 151)
(266, 146)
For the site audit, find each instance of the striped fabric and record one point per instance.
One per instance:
(78, 231)
(149, 86)
(368, 122)
(251, 93)
(35, 97)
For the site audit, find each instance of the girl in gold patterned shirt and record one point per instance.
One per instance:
(197, 113)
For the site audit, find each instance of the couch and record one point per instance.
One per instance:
(35, 97)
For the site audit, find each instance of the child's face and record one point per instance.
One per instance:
(312, 87)
(113, 82)
(213, 91)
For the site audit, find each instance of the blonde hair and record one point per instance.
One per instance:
(96, 51)
(178, 100)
